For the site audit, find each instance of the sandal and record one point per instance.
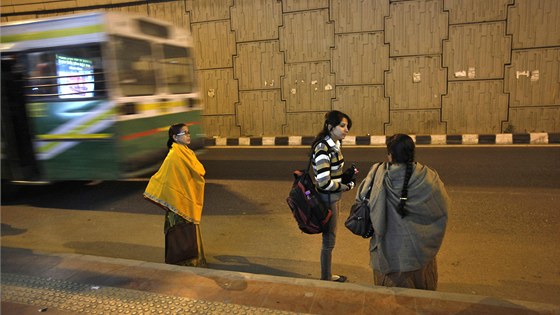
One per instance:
(337, 278)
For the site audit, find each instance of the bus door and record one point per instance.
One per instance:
(18, 156)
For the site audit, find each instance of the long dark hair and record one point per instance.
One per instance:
(402, 148)
(333, 118)
(173, 131)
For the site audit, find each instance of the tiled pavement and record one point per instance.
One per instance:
(70, 283)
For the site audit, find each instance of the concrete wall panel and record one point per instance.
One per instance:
(214, 44)
(13, 18)
(138, 9)
(415, 122)
(534, 23)
(261, 113)
(533, 78)
(534, 119)
(473, 11)
(476, 51)
(416, 27)
(298, 5)
(359, 51)
(256, 19)
(415, 82)
(25, 6)
(359, 15)
(223, 125)
(370, 117)
(475, 107)
(167, 11)
(259, 65)
(218, 91)
(308, 87)
(307, 36)
(208, 10)
(304, 123)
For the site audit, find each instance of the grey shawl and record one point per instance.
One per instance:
(405, 244)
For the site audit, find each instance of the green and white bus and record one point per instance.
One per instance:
(92, 96)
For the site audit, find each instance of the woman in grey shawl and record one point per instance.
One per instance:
(408, 210)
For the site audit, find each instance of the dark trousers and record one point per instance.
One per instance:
(425, 278)
(329, 239)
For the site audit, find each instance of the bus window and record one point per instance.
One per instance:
(178, 69)
(153, 29)
(67, 73)
(42, 75)
(74, 76)
(135, 66)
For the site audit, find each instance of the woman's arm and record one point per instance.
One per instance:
(322, 161)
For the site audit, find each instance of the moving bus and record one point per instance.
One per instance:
(91, 96)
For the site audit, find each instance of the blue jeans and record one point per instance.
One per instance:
(329, 238)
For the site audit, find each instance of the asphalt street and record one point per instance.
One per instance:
(501, 240)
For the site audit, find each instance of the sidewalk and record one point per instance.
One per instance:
(70, 283)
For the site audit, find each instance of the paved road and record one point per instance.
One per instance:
(502, 237)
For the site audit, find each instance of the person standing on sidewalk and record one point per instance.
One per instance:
(408, 211)
(328, 164)
(178, 187)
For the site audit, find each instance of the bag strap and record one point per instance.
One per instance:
(373, 180)
(329, 150)
(309, 163)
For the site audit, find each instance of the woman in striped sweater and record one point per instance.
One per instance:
(328, 164)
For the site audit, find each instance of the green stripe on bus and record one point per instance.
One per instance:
(75, 136)
(95, 120)
(90, 29)
(74, 133)
(48, 147)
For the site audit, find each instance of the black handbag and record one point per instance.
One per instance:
(180, 243)
(358, 222)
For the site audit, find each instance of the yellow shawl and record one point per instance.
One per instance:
(179, 184)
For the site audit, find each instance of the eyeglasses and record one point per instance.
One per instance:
(182, 133)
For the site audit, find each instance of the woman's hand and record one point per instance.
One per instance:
(348, 186)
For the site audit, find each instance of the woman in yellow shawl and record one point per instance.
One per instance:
(178, 187)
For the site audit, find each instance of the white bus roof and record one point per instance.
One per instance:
(71, 30)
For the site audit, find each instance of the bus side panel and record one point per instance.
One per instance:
(87, 160)
(74, 140)
(143, 141)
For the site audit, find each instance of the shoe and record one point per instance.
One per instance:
(337, 278)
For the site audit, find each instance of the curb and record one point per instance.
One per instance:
(467, 139)
(218, 291)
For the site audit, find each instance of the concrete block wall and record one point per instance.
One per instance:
(272, 68)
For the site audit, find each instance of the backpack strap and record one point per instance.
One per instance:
(329, 150)
(310, 159)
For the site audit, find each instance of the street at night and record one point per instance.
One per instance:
(501, 238)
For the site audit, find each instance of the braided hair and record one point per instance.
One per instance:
(402, 148)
